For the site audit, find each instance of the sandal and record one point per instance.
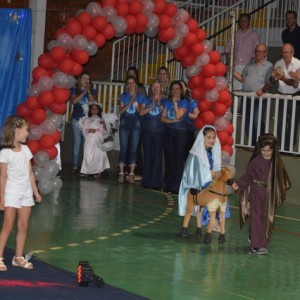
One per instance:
(2, 265)
(23, 264)
(121, 178)
(131, 178)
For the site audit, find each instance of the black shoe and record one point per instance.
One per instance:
(184, 232)
(222, 238)
(198, 231)
(207, 238)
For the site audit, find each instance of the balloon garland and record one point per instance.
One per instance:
(85, 33)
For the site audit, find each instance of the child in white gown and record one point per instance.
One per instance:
(94, 130)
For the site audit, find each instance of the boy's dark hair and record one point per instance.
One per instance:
(291, 12)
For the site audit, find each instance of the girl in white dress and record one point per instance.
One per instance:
(95, 161)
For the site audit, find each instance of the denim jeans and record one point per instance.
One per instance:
(255, 119)
(153, 142)
(78, 139)
(130, 130)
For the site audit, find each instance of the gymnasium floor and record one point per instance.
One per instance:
(129, 236)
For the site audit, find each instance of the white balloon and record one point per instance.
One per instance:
(45, 186)
(51, 169)
(71, 81)
(94, 9)
(35, 132)
(181, 16)
(34, 90)
(220, 123)
(55, 118)
(91, 48)
(110, 13)
(41, 158)
(57, 183)
(52, 44)
(45, 83)
(212, 95)
(148, 7)
(221, 83)
(228, 115)
(48, 127)
(65, 41)
(175, 43)
(119, 24)
(79, 42)
(151, 32)
(38, 172)
(60, 79)
(153, 21)
(192, 71)
(208, 46)
(182, 30)
(202, 59)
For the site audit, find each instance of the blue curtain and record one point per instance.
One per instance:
(15, 50)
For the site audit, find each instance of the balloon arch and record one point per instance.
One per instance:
(85, 33)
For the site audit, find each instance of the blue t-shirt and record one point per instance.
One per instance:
(131, 111)
(190, 122)
(78, 108)
(169, 107)
(151, 121)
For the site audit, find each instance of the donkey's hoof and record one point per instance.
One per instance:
(222, 238)
(207, 238)
(198, 231)
(184, 232)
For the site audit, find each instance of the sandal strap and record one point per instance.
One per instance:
(25, 263)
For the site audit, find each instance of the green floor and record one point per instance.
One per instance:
(129, 236)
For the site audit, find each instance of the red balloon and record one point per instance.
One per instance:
(59, 31)
(39, 72)
(84, 18)
(38, 115)
(23, 110)
(80, 56)
(209, 83)
(215, 56)
(131, 22)
(190, 39)
(99, 40)
(229, 128)
(160, 6)
(229, 103)
(140, 29)
(188, 60)
(199, 123)
(46, 61)
(197, 49)
(99, 22)
(34, 146)
(201, 35)
(58, 53)
(208, 70)
(89, 32)
(129, 31)
(46, 98)
(204, 105)
(108, 3)
(66, 65)
(220, 69)
(193, 25)
(141, 21)
(171, 10)
(52, 152)
(164, 22)
(223, 137)
(122, 9)
(230, 141)
(227, 149)
(208, 117)
(77, 69)
(181, 51)
(198, 93)
(195, 81)
(73, 27)
(219, 108)
(61, 95)
(58, 108)
(224, 96)
(135, 7)
(108, 32)
(47, 141)
(166, 35)
(32, 102)
(57, 136)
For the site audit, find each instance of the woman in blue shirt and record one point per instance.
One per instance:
(81, 95)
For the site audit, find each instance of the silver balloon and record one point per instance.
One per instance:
(57, 183)
(91, 48)
(51, 169)
(60, 79)
(48, 127)
(45, 186)
(35, 132)
(38, 172)
(41, 158)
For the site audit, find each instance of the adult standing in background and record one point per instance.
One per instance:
(81, 95)
(287, 86)
(246, 40)
(255, 79)
(163, 76)
(292, 33)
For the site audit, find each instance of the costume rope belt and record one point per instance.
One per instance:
(260, 183)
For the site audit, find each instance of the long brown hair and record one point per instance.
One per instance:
(9, 130)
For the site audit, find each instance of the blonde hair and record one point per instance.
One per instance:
(9, 130)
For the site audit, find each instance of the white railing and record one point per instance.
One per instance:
(275, 116)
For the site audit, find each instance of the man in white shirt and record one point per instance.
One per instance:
(287, 85)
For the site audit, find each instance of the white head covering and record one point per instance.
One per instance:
(199, 149)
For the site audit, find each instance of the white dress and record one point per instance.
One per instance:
(94, 159)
